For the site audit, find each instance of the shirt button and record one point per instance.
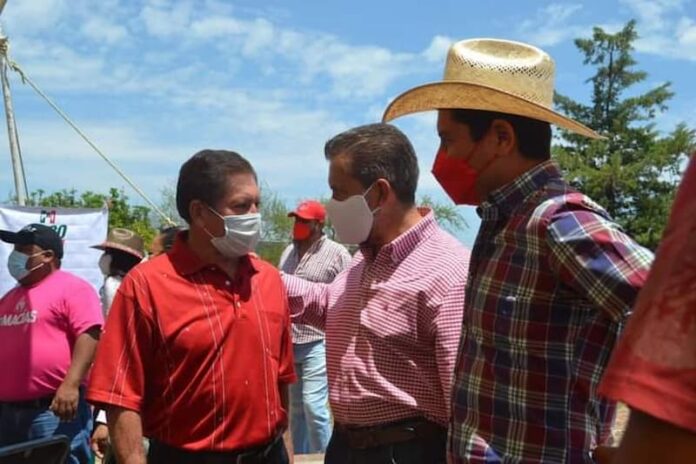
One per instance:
(228, 283)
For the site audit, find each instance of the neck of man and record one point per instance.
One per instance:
(504, 174)
(199, 243)
(393, 225)
(39, 274)
(303, 246)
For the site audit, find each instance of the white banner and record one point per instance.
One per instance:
(79, 229)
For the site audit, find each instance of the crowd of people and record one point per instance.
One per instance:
(413, 350)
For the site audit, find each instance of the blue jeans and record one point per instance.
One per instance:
(310, 420)
(20, 424)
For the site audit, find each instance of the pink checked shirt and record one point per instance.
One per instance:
(392, 324)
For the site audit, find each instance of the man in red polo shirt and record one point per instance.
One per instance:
(197, 353)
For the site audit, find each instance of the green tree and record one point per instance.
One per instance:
(276, 226)
(167, 205)
(121, 212)
(634, 172)
(448, 215)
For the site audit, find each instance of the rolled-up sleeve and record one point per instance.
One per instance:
(596, 258)
(307, 301)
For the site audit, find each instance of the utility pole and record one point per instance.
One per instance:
(15, 153)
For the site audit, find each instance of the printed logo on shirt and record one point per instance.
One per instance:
(22, 315)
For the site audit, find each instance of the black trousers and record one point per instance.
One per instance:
(429, 449)
(273, 453)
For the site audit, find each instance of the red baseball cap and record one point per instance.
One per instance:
(309, 210)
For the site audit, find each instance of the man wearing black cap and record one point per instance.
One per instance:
(49, 325)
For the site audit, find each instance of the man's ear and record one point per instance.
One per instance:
(48, 256)
(505, 138)
(384, 189)
(197, 212)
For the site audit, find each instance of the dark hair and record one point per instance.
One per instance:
(379, 151)
(168, 235)
(204, 177)
(533, 136)
(122, 262)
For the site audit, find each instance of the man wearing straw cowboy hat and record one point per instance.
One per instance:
(552, 277)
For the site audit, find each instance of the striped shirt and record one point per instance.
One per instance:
(322, 262)
(552, 280)
(199, 355)
(392, 322)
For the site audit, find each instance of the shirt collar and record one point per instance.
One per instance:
(314, 247)
(505, 199)
(187, 262)
(405, 243)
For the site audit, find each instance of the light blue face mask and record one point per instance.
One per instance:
(17, 264)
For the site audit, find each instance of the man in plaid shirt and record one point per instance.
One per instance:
(552, 277)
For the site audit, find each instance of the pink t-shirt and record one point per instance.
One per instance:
(38, 329)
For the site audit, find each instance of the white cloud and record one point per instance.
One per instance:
(438, 48)
(102, 30)
(653, 13)
(165, 19)
(31, 16)
(551, 25)
(665, 28)
(215, 27)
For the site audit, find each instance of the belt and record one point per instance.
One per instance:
(163, 453)
(39, 403)
(390, 434)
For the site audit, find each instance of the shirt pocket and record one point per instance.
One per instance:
(532, 325)
(392, 323)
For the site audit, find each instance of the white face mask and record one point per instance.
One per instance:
(105, 264)
(352, 218)
(242, 233)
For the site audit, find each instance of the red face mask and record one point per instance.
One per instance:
(301, 231)
(457, 178)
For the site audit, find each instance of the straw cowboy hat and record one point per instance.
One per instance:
(491, 75)
(124, 240)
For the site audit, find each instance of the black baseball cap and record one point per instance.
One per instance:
(35, 234)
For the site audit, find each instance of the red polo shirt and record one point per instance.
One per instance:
(199, 355)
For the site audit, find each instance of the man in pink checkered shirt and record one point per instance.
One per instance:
(393, 318)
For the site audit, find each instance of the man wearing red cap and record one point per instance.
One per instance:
(312, 256)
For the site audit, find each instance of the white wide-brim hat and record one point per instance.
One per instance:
(491, 75)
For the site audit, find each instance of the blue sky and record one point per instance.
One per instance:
(153, 81)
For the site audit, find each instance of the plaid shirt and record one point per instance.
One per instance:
(322, 262)
(551, 281)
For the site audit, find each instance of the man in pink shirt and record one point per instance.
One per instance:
(49, 325)
(393, 318)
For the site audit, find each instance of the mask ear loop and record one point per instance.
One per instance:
(223, 223)
(372, 211)
(376, 210)
(38, 265)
